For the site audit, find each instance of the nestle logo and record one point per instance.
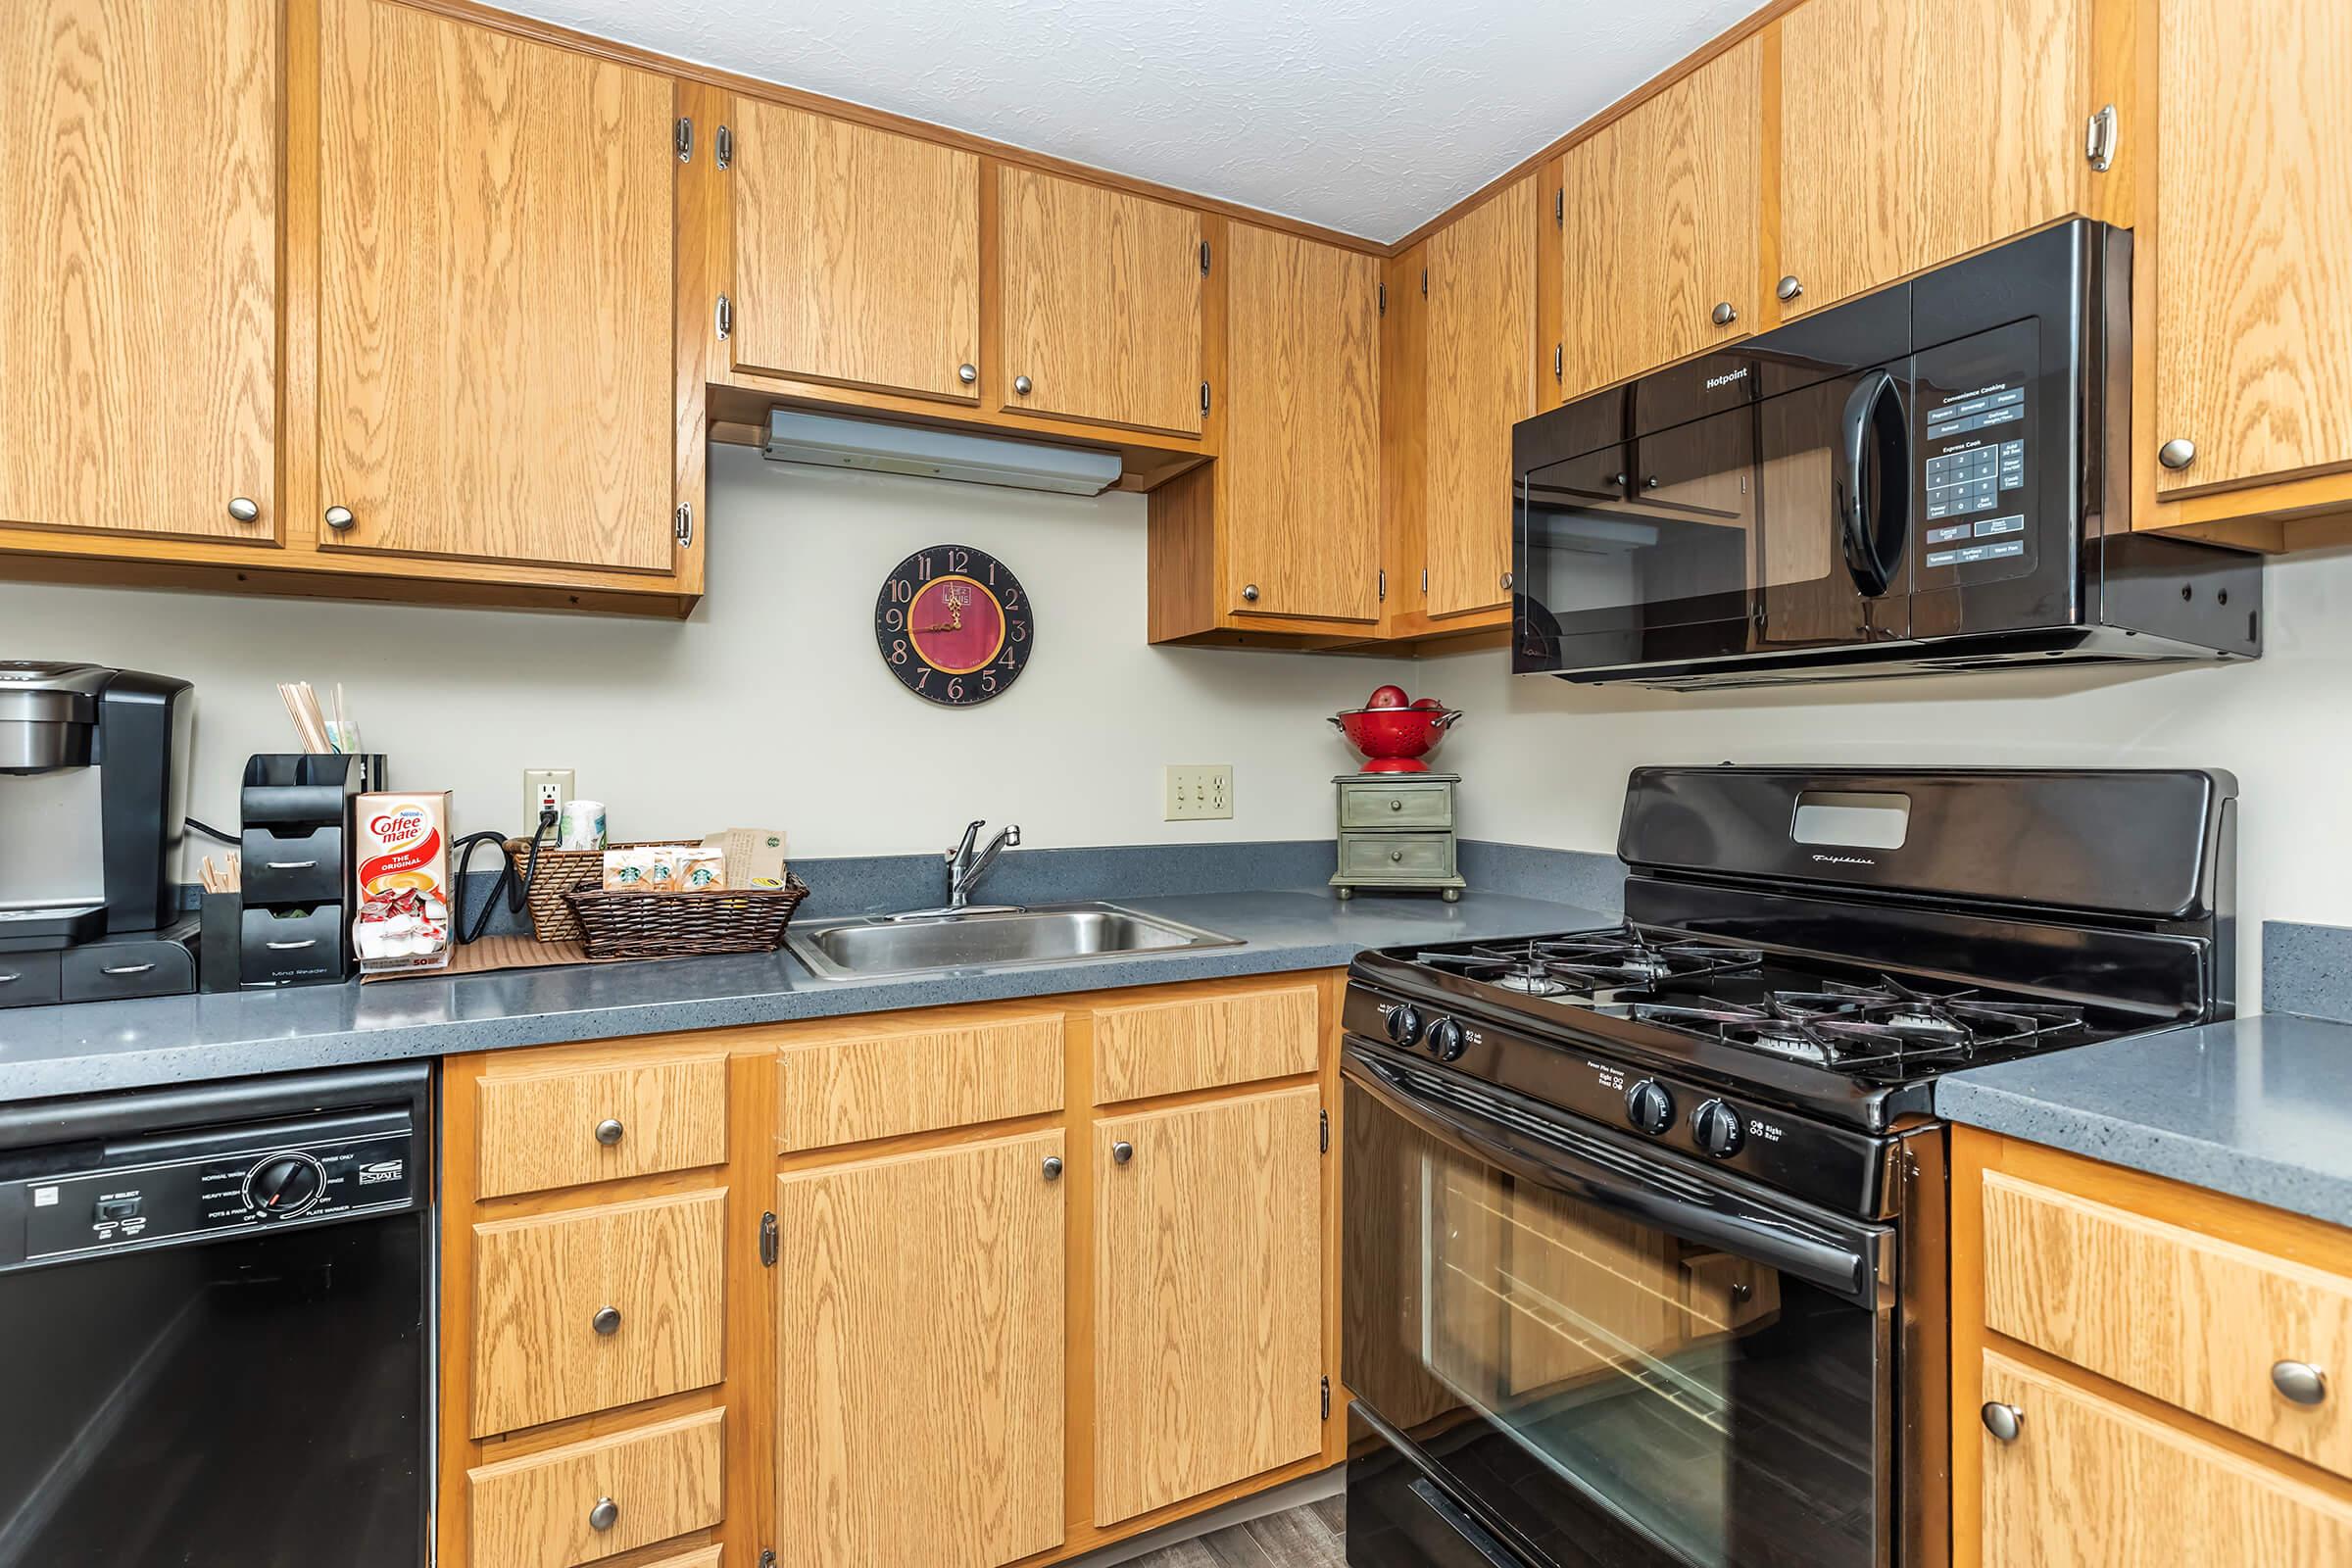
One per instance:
(1726, 379)
(1846, 859)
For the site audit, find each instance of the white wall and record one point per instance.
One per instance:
(772, 705)
(1546, 762)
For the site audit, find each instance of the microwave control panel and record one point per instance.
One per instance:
(1976, 479)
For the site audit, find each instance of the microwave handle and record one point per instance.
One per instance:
(1720, 1217)
(1874, 413)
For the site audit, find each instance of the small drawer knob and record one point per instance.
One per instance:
(1249, 593)
(607, 1321)
(1053, 1167)
(1021, 384)
(967, 372)
(1395, 855)
(242, 509)
(2003, 1421)
(603, 1516)
(1122, 1152)
(2299, 1380)
(1726, 314)
(338, 518)
(609, 1131)
(1395, 806)
(2176, 452)
(1789, 289)
(1507, 581)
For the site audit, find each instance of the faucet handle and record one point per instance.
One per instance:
(964, 845)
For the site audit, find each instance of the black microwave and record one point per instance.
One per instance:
(1930, 478)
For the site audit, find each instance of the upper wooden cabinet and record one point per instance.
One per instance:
(139, 287)
(1913, 131)
(1299, 500)
(1100, 304)
(856, 254)
(1659, 212)
(1478, 380)
(2253, 241)
(495, 358)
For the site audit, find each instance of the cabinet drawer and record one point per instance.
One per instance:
(961, 1067)
(2181, 1317)
(1164, 1048)
(543, 1347)
(562, 1126)
(2088, 1484)
(30, 979)
(1395, 806)
(540, 1511)
(292, 865)
(1374, 855)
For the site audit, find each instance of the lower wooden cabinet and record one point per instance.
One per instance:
(918, 1400)
(585, 1500)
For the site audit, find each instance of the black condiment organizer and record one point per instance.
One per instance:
(294, 917)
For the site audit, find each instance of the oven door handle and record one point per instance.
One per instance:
(1720, 1216)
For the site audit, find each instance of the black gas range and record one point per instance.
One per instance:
(1645, 1223)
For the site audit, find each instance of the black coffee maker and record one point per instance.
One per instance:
(101, 917)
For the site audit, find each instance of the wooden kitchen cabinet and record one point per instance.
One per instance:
(857, 254)
(495, 354)
(1100, 304)
(139, 287)
(1914, 132)
(1208, 1301)
(1660, 213)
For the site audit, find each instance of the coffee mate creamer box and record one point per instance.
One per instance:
(401, 845)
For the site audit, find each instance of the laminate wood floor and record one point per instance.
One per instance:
(1314, 1536)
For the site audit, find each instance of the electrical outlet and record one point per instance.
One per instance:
(1199, 790)
(543, 787)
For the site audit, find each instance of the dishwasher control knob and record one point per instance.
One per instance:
(1404, 1025)
(1717, 1128)
(1649, 1107)
(284, 1186)
(1445, 1040)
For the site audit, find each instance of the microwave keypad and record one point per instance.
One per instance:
(1973, 477)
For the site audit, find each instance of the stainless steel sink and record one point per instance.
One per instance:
(1059, 933)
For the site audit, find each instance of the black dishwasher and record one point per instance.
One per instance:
(214, 1324)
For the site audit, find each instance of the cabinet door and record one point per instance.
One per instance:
(1300, 499)
(1478, 382)
(139, 283)
(2253, 243)
(919, 1374)
(494, 330)
(1209, 1298)
(857, 254)
(1661, 212)
(1100, 296)
(1913, 131)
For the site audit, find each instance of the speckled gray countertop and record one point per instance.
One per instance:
(2260, 1108)
(97, 1045)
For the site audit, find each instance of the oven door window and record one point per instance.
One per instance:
(1608, 1390)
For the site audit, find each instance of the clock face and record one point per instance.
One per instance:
(953, 625)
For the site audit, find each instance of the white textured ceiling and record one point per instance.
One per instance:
(1367, 116)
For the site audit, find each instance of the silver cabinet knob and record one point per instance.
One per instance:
(609, 1131)
(2003, 1421)
(2176, 452)
(1053, 1167)
(1249, 593)
(1396, 854)
(1022, 384)
(967, 373)
(1789, 289)
(607, 1321)
(1507, 581)
(1122, 1152)
(1395, 806)
(603, 1516)
(1652, 482)
(338, 518)
(1726, 314)
(2299, 1380)
(243, 509)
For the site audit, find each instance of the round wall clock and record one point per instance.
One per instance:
(953, 625)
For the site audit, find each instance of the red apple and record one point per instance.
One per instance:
(1387, 697)
(1427, 703)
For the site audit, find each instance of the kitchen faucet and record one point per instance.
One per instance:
(966, 864)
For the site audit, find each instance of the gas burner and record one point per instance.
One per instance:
(1626, 956)
(1855, 1026)
(1528, 983)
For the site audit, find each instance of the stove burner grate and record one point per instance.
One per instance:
(1856, 1026)
(1628, 956)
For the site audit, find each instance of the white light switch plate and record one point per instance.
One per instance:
(1199, 790)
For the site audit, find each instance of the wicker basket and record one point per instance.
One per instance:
(676, 925)
(559, 874)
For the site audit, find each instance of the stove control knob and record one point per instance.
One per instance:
(284, 1186)
(1404, 1025)
(1649, 1107)
(1717, 1128)
(1446, 1040)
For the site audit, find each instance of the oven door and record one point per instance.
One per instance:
(1610, 1354)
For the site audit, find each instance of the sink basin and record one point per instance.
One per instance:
(856, 948)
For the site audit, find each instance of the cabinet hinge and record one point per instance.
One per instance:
(767, 1240)
(1204, 396)
(1323, 1117)
(685, 523)
(1425, 282)
(726, 315)
(722, 147)
(1327, 1399)
(1384, 585)
(767, 1558)
(2098, 141)
(1559, 198)
(1381, 297)
(1204, 258)
(1425, 579)
(1558, 360)
(682, 138)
